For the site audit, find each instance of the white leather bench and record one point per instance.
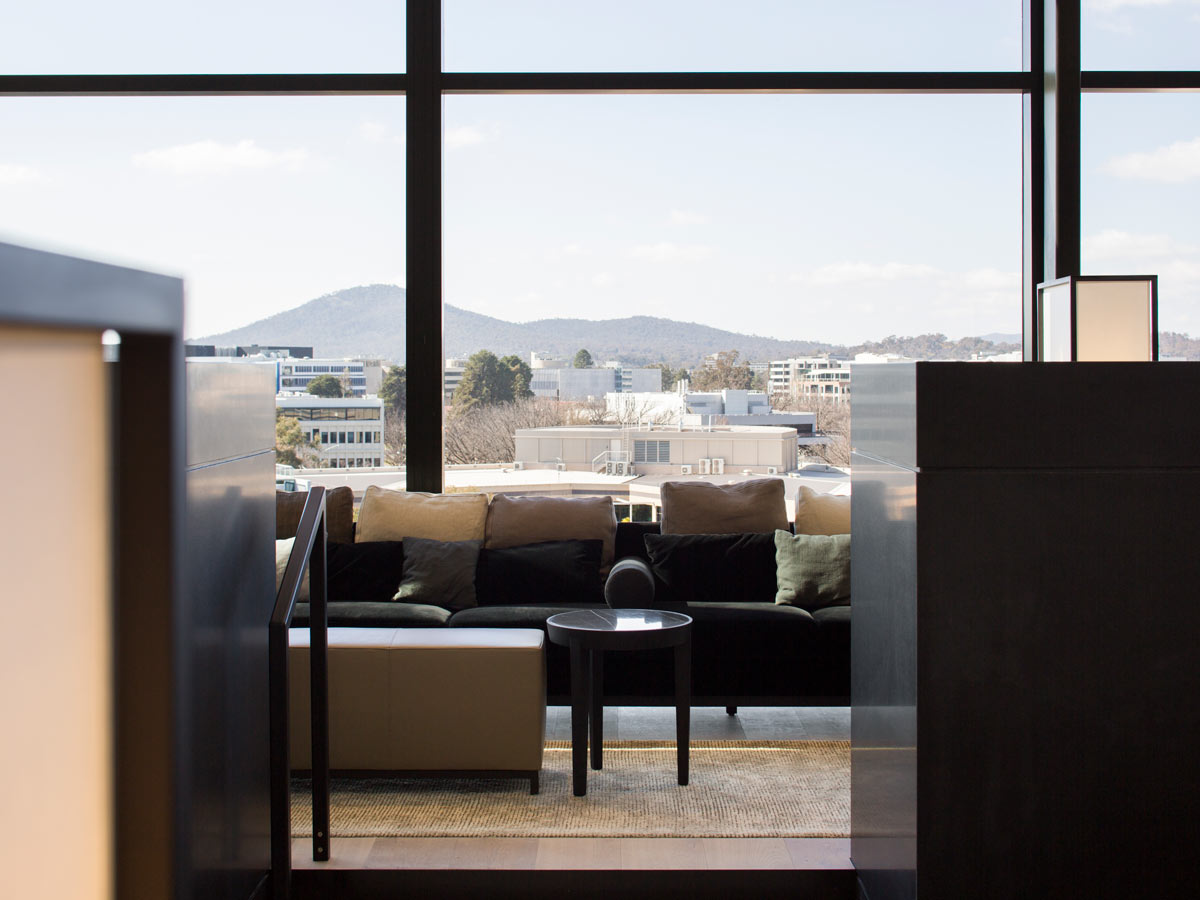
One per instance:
(426, 700)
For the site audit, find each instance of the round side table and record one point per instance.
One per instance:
(591, 632)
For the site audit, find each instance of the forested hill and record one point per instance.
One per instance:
(369, 322)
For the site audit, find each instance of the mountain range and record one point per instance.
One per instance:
(369, 322)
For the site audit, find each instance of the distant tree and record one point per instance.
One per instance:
(485, 382)
(394, 391)
(486, 433)
(583, 360)
(726, 374)
(292, 446)
(522, 376)
(670, 377)
(326, 386)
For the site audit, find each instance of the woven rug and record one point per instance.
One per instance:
(737, 789)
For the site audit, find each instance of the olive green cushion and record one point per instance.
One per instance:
(812, 570)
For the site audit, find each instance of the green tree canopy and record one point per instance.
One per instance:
(325, 386)
(292, 446)
(583, 360)
(522, 375)
(394, 390)
(485, 380)
(726, 374)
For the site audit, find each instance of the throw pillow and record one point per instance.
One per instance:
(813, 570)
(517, 521)
(821, 513)
(553, 572)
(283, 552)
(339, 513)
(439, 573)
(698, 507)
(366, 572)
(708, 568)
(387, 515)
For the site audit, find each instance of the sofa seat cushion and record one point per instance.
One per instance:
(533, 616)
(377, 614)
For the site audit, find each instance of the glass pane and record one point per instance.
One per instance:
(216, 36)
(284, 216)
(674, 231)
(1140, 191)
(1140, 34)
(754, 35)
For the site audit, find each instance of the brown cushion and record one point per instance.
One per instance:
(339, 513)
(821, 513)
(515, 521)
(387, 515)
(698, 507)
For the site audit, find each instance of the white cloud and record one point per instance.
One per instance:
(668, 252)
(378, 133)
(858, 272)
(12, 173)
(214, 158)
(685, 217)
(1113, 5)
(1112, 244)
(464, 136)
(1173, 163)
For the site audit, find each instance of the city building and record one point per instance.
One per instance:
(649, 449)
(346, 432)
(362, 378)
(784, 374)
(568, 383)
(269, 352)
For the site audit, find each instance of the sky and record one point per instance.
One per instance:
(829, 218)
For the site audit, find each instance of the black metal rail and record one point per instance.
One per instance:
(308, 552)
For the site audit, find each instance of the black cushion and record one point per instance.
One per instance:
(377, 614)
(552, 572)
(713, 568)
(368, 572)
(529, 616)
(439, 572)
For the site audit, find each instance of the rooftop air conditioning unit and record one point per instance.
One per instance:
(718, 466)
(562, 467)
(772, 470)
(705, 466)
(685, 470)
(518, 465)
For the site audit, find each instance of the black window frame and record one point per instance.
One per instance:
(1050, 83)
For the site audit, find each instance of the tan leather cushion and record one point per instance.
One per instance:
(698, 507)
(515, 521)
(425, 698)
(821, 513)
(283, 554)
(339, 513)
(387, 515)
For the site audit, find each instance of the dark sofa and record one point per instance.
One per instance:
(747, 651)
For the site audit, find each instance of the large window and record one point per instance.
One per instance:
(1141, 188)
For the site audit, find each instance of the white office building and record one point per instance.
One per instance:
(347, 431)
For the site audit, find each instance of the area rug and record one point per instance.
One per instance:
(737, 789)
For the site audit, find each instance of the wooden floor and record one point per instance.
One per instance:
(651, 867)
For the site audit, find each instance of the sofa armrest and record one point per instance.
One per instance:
(630, 585)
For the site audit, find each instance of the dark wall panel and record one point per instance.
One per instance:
(229, 589)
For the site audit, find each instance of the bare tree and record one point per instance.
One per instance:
(832, 421)
(394, 440)
(487, 433)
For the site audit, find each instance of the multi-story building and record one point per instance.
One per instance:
(784, 374)
(564, 383)
(361, 377)
(347, 431)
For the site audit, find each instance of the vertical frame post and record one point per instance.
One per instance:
(424, 359)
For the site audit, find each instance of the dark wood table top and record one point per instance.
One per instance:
(619, 629)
